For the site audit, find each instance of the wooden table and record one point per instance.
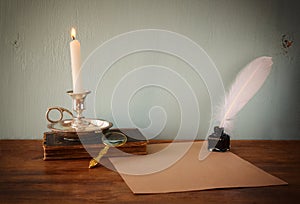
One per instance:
(26, 178)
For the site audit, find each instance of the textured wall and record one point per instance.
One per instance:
(35, 62)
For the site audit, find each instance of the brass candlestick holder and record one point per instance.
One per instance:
(77, 123)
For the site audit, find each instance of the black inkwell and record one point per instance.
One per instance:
(218, 141)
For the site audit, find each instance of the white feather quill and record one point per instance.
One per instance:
(245, 86)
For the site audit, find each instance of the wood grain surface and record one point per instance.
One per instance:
(26, 178)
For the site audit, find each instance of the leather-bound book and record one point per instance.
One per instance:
(62, 145)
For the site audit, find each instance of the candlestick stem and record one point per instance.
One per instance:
(78, 107)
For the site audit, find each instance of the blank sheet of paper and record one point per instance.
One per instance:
(218, 170)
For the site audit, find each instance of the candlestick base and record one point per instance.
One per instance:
(79, 123)
(93, 125)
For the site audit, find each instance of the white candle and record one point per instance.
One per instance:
(76, 63)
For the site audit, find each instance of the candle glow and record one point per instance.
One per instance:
(73, 33)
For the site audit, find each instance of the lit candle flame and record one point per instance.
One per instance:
(73, 33)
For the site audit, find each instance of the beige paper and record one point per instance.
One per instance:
(218, 170)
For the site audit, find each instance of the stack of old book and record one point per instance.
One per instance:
(60, 145)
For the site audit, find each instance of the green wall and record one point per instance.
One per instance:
(36, 73)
